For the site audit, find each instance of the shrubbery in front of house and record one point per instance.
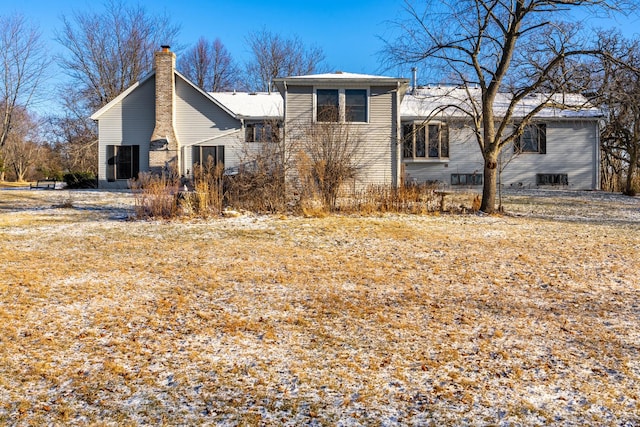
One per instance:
(75, 180)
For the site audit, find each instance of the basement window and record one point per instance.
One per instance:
(466, 179)
(123, 162)
(552, 179)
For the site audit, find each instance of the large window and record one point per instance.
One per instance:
(355, 105)
(327, 105)
(208, 155)
(333, 105)
(123, 162)
(532, 140)
(262, 132)
(422, 141)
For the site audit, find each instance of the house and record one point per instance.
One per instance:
(407, 134)
(164, 121)
(559, 148)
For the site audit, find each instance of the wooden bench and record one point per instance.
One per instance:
(47, 184)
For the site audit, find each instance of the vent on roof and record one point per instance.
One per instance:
(252, 93)
(338, 72)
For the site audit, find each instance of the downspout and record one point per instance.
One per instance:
(597, 159)
(398, 178)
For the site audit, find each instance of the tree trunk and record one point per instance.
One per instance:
(488, 203)
(633, 161)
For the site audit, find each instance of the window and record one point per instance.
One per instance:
(123, 162)
(425, 142)
(466, 179)
(532, 140)
(262, 132)
(327, 105)
(208, 154)
(355, 105)
(333, 105)
(552, 179)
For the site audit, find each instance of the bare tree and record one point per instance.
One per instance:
(22, 150)
(110, 50)
(23, 60)
(619, 97)
(519, 47)
(328, 154)
(210, 66)
(274, 56)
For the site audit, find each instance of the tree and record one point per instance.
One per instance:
(619, 97)
(22, 150)
(210, 66)
(108, 51)
(274, 56)
(517, 46)
(328, 154)
(24, 62)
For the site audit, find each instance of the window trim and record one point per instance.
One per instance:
(252, 128)
(424, 128)
(541, 137)
(552, 179)
(470, 179)
(196, 159)
(342, 103)
(114, 165)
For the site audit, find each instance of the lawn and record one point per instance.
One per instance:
(527, 318)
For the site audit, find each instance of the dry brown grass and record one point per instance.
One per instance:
(525, 319)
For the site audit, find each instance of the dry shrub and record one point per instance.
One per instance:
(155, 195)
(308, 200)
(475, 203)
(257, 187)
(165, 196)
(413, 199)
(208, 190)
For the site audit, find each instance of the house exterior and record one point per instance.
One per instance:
(363, 105)
(560, 147)
(165, 122)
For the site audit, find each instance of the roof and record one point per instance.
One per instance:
(119, 98)
(339, 77)
(254, 105)
(452, 101)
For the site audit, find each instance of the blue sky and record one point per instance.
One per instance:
(349, 31)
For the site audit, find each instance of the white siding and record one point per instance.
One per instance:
(199, 121)
(571, 149)
(129, 122)
(377, 136)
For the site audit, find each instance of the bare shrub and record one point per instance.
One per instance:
(329, 154)
(155, 195)
(258, 185)
(208, 190)
(412, 199)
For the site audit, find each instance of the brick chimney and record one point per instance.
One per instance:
(163, 150)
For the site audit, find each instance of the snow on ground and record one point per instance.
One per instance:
(526, 318)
